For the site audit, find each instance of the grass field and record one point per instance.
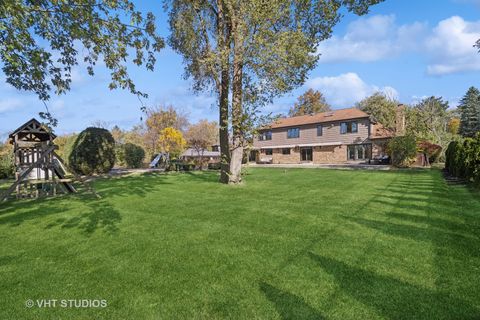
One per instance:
(294, 244)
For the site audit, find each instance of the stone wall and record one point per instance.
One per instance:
(293, 157)
(330, 154)
(379, 147)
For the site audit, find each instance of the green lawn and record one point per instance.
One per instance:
(297, 243)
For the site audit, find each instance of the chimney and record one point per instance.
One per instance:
(400, 120)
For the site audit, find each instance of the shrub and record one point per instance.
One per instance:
(7, 164)
(458, 161)
(120, 155)
(450, 163)
(7, 167)
(471, 147)
(463, 159)
(402, 150)
(431, 150)
(133, 155)
(93, 151)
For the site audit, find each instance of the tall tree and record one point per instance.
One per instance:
(171, 140)
(470, 113)
(40, 42)
(254, 49)
(453, 126)
(381, 108)
(158, 119)
(202, 135)
(428, 120)
(312, 101)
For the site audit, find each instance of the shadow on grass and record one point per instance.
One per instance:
(205, 176)
(393, 298)
(101, 216)
(288, 305)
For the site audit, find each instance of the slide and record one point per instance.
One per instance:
(155, 161)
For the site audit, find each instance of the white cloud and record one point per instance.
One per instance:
(371, 39)
(10, 104)
(347, 89)
(448, 47)
(451, 46)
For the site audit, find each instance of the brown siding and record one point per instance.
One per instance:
(308, 134)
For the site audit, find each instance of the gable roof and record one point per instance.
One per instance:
(329, 116)
(32, 126)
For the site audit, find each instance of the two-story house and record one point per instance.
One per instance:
(329, 137)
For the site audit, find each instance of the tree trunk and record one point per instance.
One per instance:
(237, 109)
(224, 43)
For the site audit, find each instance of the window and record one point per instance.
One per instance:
(268, 152)
(348, 127)
(319, 130)
(286, 151)
(266, 135)
(306, 154)
(293, 133)
(358, 152)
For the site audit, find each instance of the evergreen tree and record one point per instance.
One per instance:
(470, 113)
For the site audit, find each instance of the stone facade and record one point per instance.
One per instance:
(279, 157)
(330, 154)
(379, 147)
(320, 155)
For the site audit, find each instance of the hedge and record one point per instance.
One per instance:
(463, 159)
(93, 152)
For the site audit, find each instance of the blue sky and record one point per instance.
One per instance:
(408, 49)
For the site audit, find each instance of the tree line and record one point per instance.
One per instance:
(246, 52)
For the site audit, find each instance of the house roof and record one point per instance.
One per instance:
(329, 116)
(191, 152)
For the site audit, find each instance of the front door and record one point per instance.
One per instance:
(306, 154)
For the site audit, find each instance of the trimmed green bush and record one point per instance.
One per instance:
(93, 151)
(463, 159)
(402, 150)
(120, 155)
(133, 155)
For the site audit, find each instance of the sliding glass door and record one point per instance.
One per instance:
(306, 154)
(358, 151)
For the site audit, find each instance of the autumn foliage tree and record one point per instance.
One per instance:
(312, 101)
(158, 119)
(453, 126)
(201, 136)
(171, 140)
